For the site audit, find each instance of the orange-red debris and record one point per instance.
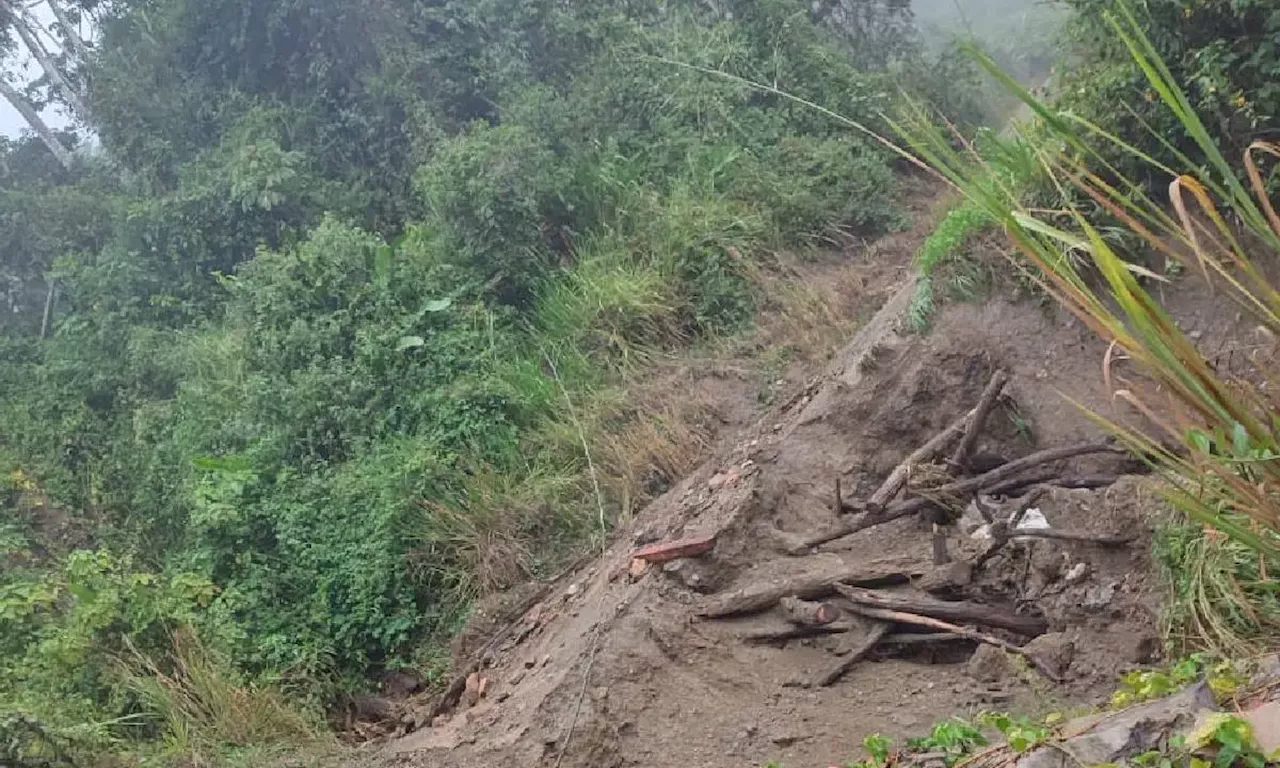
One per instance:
(673, 550)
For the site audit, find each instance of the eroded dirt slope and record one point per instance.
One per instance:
(613, 668)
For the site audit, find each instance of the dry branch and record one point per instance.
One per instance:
(921, 638)
(901, 617)
(760, 595)
(968, 613)
(956, 489)
(877, 631)
(960, 459)
(1101, 539)
(804, 613)
(901, 473)
(939, 443)
(792, 632)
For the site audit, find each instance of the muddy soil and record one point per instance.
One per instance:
(613, 669)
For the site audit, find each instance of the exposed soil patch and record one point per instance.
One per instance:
(617, 666)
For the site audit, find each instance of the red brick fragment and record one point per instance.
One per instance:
(673, 550)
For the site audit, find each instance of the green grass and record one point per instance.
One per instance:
(946, 245)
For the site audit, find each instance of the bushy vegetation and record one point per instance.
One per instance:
(302, 357)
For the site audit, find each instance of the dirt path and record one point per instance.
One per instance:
(612, 669)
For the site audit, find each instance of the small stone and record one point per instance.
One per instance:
(529, 663)
(1077, 573)
(785, 740)
(717, 481)
(516, 678)
(777, 427)
(1195, 335)
(545, 660)
(1054, 650)
(501, 697)
(573, 590)
(1146, 649)
(989, 664)
(473, 690)
(1266, 727)
(638, 568)
(1099, 597)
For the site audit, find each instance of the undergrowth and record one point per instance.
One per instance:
(1222, 741)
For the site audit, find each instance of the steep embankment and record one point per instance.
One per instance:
(619, 665)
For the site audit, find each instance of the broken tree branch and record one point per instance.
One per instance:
(969, 634)
(939, 443)
(969, 613)
(960, 459)
(878, 630)
(808, 614)
(901, 473)
(1102, 540)
(760, 595)
(921, 638)
(793, 632)
(958, 488)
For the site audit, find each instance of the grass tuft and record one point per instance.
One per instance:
(205, 708)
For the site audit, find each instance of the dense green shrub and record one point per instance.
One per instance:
(1221, 51)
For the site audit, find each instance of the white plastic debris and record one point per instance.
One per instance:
(1033, 520)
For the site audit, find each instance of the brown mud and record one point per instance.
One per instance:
(613, 667)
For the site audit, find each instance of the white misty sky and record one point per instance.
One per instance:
(23, 69)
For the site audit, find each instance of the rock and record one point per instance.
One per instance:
(545, 660)
(691, 546)
(1146, 649)
(688, 573)
(1077, 573)
(1114, 738)
(989, 664)
(946, 579)
(1266, 727)
(637, 569)
(1054, 650)
(1099, 597)
(474, 689)
(573, 590)
(516, 678)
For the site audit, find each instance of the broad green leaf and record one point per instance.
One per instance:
(409, 342)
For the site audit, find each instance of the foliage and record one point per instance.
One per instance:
(204, 707)
(1219, 593)
(1219, 52)
(317, 302)
(1223, 422)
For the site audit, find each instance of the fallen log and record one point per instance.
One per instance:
(958, 488)
(960, 459)
(902, 617)
(760, 595)
(793, 631)
(804, 613)
(877, 631)
(968, 613)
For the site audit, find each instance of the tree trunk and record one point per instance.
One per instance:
(22, 25)
(37, 124)
(69, 31)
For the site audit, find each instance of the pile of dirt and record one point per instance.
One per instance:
(619, 664)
